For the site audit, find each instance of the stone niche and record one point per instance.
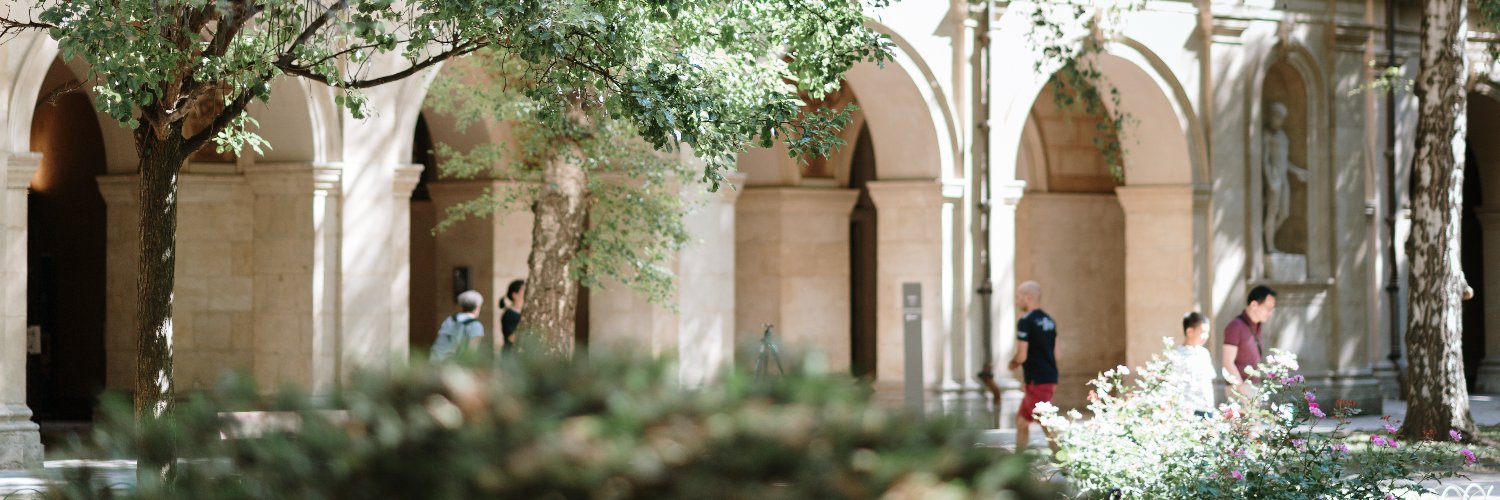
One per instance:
(1284, 175)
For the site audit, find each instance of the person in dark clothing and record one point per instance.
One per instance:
(1036, 341)
(511, 303)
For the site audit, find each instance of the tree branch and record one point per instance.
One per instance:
(457, 50)
(230, 112)
(312, 28)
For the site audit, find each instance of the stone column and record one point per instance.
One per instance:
(296, 263)
(1489, 370)
(20, 442)
(910, 250)
(792, 270)
(404, 181)
(1004, 201)
(122, 248)
(1159, 264)
(706, 282)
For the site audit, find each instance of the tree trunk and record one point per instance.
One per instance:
(1438, 400)
(556, 236)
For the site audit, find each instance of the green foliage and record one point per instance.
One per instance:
(1070, 35)
(612, 427)
(629, 90)
(1143, 442)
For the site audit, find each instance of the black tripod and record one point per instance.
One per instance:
(767, 347)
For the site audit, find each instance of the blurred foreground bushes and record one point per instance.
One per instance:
(610, 426)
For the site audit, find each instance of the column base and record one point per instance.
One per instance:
(20, 439)
(1366, 391)
(1488, 379)
(1387, 377)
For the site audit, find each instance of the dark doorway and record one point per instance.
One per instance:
(1471, 258)
(65, 286)
(863, 238)
(423, 288)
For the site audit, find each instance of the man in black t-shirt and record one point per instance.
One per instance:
(1036, 341)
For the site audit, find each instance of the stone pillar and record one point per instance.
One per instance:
(792, 270)
(122, 250)
(706, 282)
(1159, 264)
(1003, 230)
(213, 301)
(494, 249)
(296, 263)
(20, 441)
(910, 250)
(405, 180)
(1489, 370)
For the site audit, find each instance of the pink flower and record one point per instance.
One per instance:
(1309, 396)
(1457, 436)
(1469, 457)
(1239, 453)
(1377, 440)
(1237, 475)
(1389, 496)
(1341, 448)
(1314, 410)
(1299, 443)
(1390, 428)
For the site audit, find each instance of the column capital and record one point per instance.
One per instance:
(918, 193)
(293, 178)
(729, 190)
(20, 168)
(1008, 193)
(798, 199)
(1161, 198)
(119, 189)
(406, 179)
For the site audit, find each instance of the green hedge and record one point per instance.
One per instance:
(607, 427)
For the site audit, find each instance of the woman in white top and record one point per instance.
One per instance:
(1193, 366)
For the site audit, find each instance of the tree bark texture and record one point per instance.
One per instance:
(1438, 400)
(551, 292)
(161, 163)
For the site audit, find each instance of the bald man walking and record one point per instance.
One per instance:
(1036, 339)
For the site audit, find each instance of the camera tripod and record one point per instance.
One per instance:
(767, 349)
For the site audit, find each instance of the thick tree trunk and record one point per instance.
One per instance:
(1438, 399)
(556, 236)
(161, 162)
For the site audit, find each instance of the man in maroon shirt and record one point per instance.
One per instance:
(1242, 338)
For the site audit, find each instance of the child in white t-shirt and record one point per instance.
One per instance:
(1194, 367)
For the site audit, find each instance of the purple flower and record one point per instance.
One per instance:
(1310, 397)
(1213, 476)
(1239, 453)
(1389, 496)
(1298, 379)
(1341, 448)
(1313, 409)
(1457, 436)
(1390, 428)
(1237, 475)
(1299, 443)
(1377, 440)
(1469, 457)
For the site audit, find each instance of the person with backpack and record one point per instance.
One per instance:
(461, 332)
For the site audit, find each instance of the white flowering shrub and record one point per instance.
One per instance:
(1141, 441)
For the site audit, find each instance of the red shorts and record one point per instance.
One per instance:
(1035, 393)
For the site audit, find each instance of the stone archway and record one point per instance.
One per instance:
(1161, 212)
(66, 256)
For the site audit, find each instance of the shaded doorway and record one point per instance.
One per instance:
(863, 240)
(65, 288)
(1471, 259)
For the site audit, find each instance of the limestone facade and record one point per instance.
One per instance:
(298, 266)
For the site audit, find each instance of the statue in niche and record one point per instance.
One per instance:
(1275, 168)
